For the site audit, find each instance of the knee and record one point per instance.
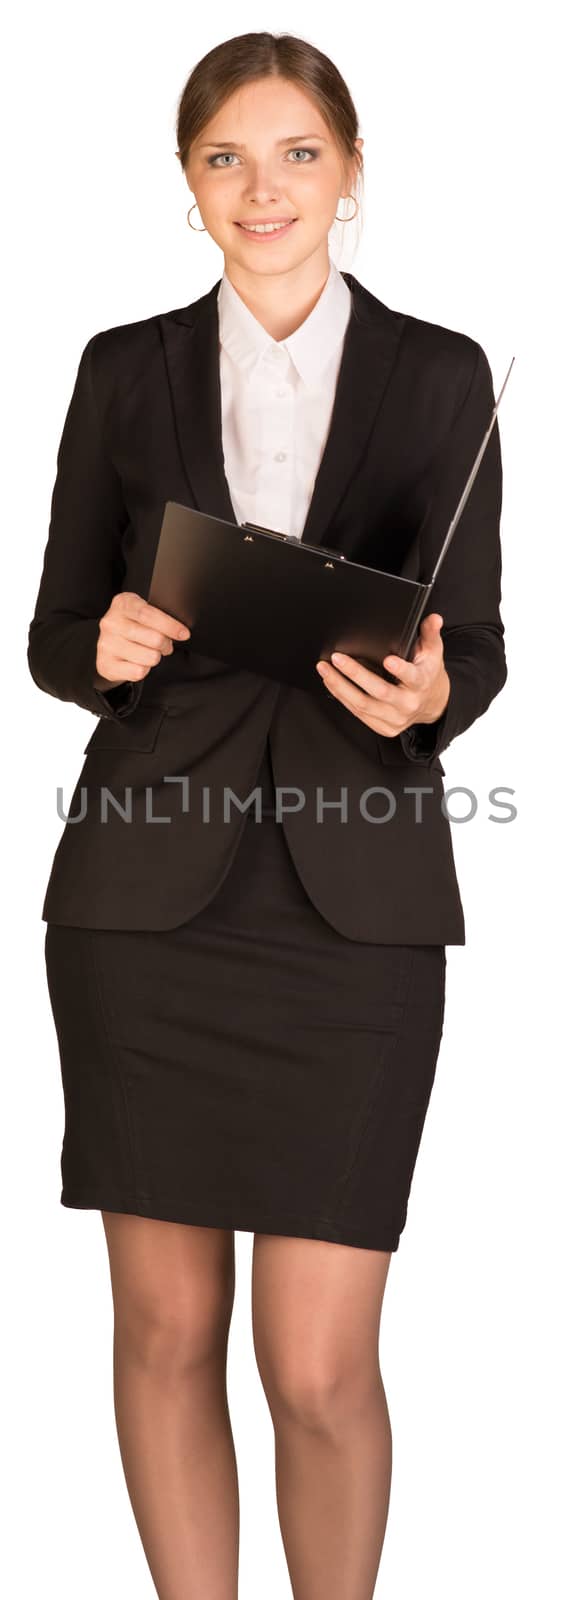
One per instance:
(320, 1396)
(174, 1332)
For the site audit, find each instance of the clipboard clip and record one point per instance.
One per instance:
(293, 538)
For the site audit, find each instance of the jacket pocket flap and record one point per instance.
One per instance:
(138, 731)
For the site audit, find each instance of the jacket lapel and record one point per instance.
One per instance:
(191, 345)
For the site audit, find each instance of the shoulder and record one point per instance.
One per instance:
(425, 347)
(126, 346)
(449, 358)
(121, 350)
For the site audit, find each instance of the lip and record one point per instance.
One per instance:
(264, 236)
(248, 222)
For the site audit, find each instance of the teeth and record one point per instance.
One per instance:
(265, 227)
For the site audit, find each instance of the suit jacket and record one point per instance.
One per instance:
(412, 402)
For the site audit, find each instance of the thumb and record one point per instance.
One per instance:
(430, 629)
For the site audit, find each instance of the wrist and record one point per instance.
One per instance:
(107, 683)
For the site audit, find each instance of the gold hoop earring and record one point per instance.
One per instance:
(191, 224)
(356, 203)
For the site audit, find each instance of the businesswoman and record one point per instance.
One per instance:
(249, 1006)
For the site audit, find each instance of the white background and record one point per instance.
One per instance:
(463, 171)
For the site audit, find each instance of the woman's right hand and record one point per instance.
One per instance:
(133, 637)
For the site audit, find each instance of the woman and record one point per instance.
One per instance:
(249, 1016)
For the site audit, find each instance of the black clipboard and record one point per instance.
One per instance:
(266, 602)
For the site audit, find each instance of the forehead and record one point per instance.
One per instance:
(272, 106)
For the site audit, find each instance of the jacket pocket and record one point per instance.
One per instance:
(136, 732)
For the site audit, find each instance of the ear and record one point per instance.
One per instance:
(352, 170)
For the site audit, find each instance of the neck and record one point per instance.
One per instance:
(281, 302)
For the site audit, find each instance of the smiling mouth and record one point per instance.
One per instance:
(263, 229)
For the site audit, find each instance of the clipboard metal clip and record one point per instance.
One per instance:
(294, 538)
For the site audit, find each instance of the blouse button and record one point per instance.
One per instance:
(281, 393)
(281, 456)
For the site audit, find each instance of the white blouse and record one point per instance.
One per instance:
(277, 400)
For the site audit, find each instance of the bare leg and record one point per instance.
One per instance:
(172, 1288)
(316, 1322)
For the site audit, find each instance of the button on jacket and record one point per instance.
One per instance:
(157, 830)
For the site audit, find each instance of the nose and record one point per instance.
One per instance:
(262, 183)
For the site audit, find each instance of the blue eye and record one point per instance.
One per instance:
(211, 160)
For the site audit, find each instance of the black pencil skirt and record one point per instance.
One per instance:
(250, 1069)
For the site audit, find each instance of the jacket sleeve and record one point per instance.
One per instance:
(83, 564)
(467, 591)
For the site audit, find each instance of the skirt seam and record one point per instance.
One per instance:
(132, 1186)
(339, 1196)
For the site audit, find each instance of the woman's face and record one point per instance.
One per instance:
(266, 155)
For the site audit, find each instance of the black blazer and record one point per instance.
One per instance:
(144, 425)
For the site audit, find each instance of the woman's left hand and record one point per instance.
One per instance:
(420, 696)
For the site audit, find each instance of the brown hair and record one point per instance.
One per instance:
(250, 56)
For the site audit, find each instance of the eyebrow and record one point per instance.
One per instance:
(293, 138)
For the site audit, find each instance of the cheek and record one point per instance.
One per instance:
(219, 198)
(318, 191)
